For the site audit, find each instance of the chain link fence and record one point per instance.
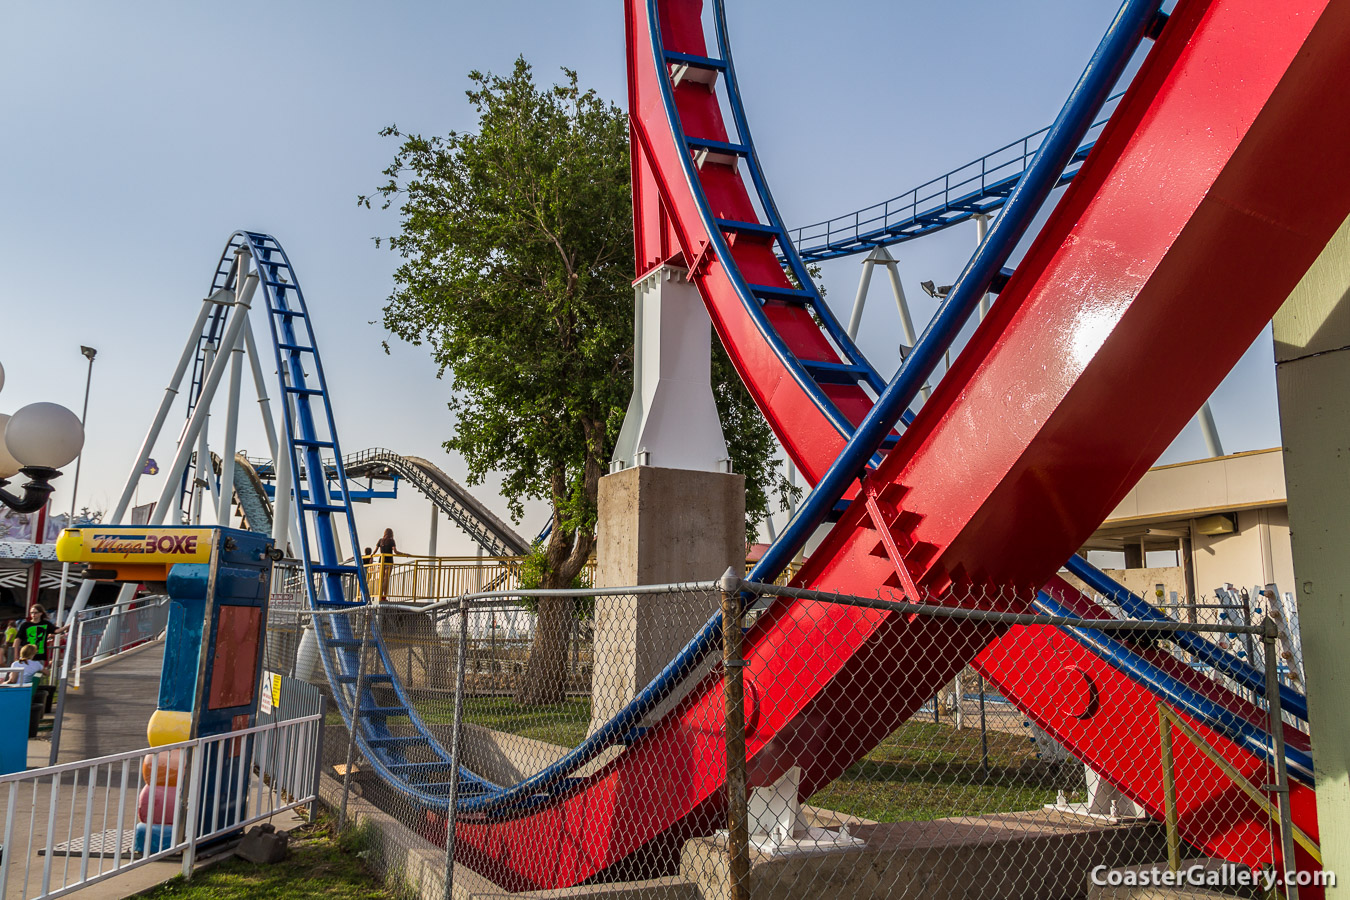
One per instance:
(1001, 743)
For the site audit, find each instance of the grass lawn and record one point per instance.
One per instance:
(319, 866)
(922, 771)
(563, 723)
(927, 771)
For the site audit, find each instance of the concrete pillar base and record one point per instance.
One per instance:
(657, 526)
(1312, 371)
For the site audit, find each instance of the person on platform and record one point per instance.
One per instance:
(38, 630)
(11, 637)
(387, 550)
(26, 669)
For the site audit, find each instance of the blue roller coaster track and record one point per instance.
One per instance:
(325, 518)
(979, 187)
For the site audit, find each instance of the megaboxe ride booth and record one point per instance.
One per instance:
(217, 582)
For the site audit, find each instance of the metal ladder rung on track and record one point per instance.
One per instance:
(786, 294)
(694, 61)
(740, 227)
(825, 372)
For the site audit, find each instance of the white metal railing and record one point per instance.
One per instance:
(103, 632)
(76, 824)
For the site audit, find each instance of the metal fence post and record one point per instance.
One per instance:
(733, 686)
(194, 812)
(59, 718)
(1169, 790)
(318, 758)
(984, 730)
(79, 649)
(1269, 632)
(452, 798)
(366, 614)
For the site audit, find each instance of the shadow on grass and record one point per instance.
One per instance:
(929, 771)
(321, 864)
(923, 770)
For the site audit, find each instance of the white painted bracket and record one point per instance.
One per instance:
(1105, 802)
(672, 419)
(777, 825)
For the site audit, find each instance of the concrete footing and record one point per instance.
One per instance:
(657, 526)
(1011, 856)
(1042, 855)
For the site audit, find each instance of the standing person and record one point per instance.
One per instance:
(387, 549)
(37, 630)
(12, 641)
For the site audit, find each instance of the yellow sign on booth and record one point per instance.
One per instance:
(135, 553)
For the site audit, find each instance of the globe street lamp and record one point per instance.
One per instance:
(37, 441)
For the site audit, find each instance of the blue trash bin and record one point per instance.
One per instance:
(16, 703)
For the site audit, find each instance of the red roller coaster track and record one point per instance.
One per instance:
(1216, 183)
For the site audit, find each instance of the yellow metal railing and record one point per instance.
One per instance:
(1167, 720)
(429, 578)
(788, 574)
(410, 579)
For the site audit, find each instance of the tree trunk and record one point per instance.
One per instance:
(545, 678)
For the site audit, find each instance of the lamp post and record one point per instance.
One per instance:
(89, 353)
(37, 441)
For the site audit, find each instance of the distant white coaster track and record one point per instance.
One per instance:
(477, 521)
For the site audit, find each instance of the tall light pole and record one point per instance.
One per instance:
(89, 354)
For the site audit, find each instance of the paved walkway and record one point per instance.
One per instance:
(107, 715)
(109, 712)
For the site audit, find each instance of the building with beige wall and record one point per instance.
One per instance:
(1198, 525)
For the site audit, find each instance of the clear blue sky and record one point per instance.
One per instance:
(139, 135)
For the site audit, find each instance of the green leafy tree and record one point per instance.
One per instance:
(516, 245)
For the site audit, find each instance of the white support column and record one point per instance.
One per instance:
(901, 305)
(864, 283)
(792, 511)
(205, 471)
(230, 354)
(260, 384)
(1312, 373)
(225, 509)
(672, 417)
(281, 502)
(194, 426)
(981, 232)
(670, 507)
(431, 538)
(165, 404)
(148, 444)
(1209, 430)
